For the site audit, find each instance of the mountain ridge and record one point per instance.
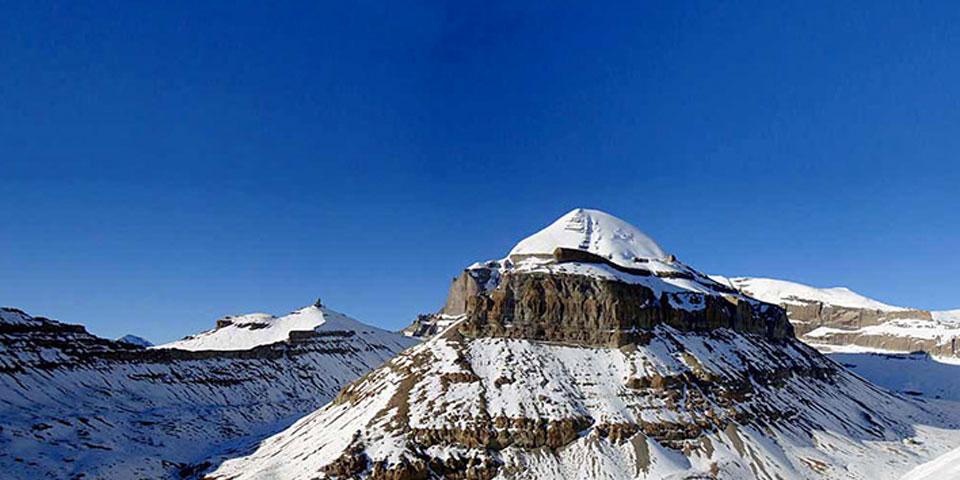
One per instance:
(839, 317)
(73, 404)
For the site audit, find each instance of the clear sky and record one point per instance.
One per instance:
(163, 164)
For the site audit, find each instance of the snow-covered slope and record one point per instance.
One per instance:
(73, 405)
(682, 406)
(572, 367)
(841, 317)
(947, 317)
(945, 467)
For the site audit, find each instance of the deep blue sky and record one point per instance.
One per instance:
(163, 165)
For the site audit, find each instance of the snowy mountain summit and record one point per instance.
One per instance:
(592, 231)
(588, 353)
(590, 245)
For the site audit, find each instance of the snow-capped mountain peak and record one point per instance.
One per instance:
(243, 332)
(592, 231)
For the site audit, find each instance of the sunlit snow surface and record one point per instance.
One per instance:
(945, 467)
(834, 427)
(593, 231)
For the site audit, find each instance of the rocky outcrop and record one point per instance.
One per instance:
(464, 286)
(588, 310)
(891, 343)
(426, 325)
(591, 311)
(851, 326)
(807, 316)
(470, 283)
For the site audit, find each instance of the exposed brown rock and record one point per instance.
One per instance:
(590, 311)
(466, 285)
(892, 343)
(806, 316)
(349, 465)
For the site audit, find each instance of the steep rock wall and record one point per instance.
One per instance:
(590, 311)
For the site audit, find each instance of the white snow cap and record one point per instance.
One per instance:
(593, 231)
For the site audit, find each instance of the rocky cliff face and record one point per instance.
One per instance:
(597, 312)
(809, 315)
(73, 405)
(822, 324)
